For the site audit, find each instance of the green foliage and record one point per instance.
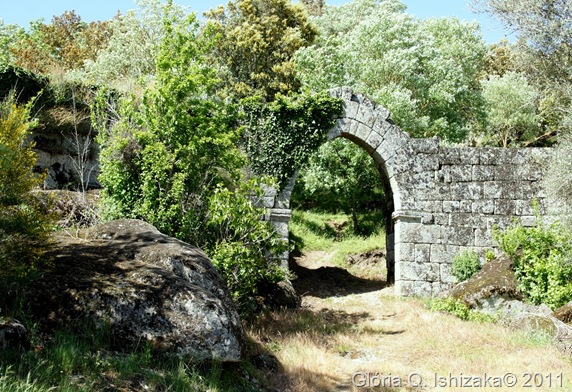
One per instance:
(339, 176)
(172, 160)
(86, 360)
(332, 233)
(256, 43)
(458, 309)
(131, 53)
(25, 84)
(241, 242)
(165, 156)
(424, 71)
(465, 265)
(24, 221)
(281, 135)
(512, 116)
(542, 257)
(558, 179)
(62, 45)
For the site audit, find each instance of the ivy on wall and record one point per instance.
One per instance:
(281, 135)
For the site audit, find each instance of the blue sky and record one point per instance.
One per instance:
(21, 12)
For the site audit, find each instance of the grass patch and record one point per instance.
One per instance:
(322, 231)
(84, 360)
(458, 309)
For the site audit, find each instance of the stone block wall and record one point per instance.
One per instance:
(440, 200)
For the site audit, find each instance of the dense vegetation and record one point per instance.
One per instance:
(195, 119)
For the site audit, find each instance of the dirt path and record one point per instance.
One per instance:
(353, 334)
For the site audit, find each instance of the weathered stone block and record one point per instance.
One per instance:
(483, 173)
(458, 235)
(450, 156)
(467, 191)
(404, 251)
(362, 131)
(466, 206)
(451, 206)
(408, 288)
(469, 156)
(430, 206)
(469, 219)
(417, 233)
(460, 173)
(483, 207)
(505, 207)
(422, 253)
(426, 146)
(445, 274)
(492, 190)
(374, 139)
(442, 253)
(483, 238)
(351, 109)
(442, 219)
(506, 173)
(528, 221)
(491, 156)
(425, 163)
(428, 272)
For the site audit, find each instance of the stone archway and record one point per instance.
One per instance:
(441, 200)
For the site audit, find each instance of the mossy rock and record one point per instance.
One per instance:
(495, 279)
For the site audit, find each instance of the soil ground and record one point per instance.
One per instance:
(352, 334)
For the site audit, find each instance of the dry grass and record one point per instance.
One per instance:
(321, 346)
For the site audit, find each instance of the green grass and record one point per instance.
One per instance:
(321, 231)
(84, 360)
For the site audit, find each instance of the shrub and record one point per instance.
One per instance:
(465, 265)
(542, 257)
(243, 241)
(24, 221)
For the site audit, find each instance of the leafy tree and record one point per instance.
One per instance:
(342, 176)
(544, 49)
(512, 115)
(24, 221)
(8, 34)
(171, 159)
(500, 59)
(132, 50)
(62, 45)
(425, 72)
(256, 45)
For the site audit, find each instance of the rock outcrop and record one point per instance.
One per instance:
(145, 286)
(494, 290)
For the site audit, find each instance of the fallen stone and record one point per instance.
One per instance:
(145, 286)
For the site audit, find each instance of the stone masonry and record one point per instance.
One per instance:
(440, 200)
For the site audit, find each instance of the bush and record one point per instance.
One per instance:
(542, 259)
(465, 265)
(243, 241)
(24, 221)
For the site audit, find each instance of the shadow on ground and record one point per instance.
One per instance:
(324, 282)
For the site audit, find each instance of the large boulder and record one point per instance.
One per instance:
(143, 285)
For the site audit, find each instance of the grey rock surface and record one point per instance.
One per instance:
(144, 285)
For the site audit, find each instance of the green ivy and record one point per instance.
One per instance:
(281, 135)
